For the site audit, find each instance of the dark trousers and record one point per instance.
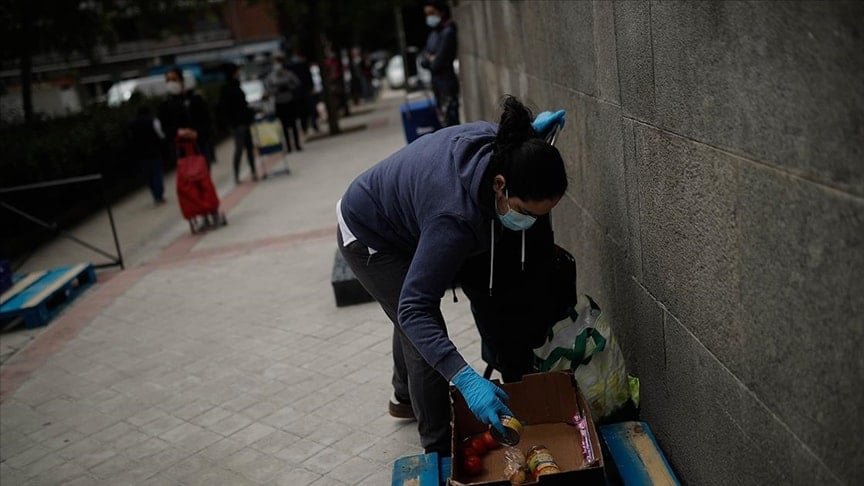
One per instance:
(243, 139)
(448, 105)
(287, 114)
(151, 168)
(382, 274)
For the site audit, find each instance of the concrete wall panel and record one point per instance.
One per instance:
(535, 47)
(635, 59)
(638, 324)
(469, 37)
(602, 184)
(605, 51)
(689, 254)
(569, 48)
(470, 83)
(582, 236)
(778, 80)
(504, 20)
(718, 433)
(801, 308)
(631, 174)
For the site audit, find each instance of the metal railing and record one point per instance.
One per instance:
(114, 260)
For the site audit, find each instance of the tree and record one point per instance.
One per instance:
(70, 27)
(308, 23)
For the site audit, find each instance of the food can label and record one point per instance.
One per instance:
(541, 462)
(512, 430)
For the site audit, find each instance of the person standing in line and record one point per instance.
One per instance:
(283, 86)
(438, 56)
(317, 90)
(185, 113)
(300, 67)
(236, 112)
(146, 144)
(334, 74)
(407, 225)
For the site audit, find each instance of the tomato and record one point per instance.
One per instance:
(490, 441)
(478, 444)
(472, 465)
(468, 450)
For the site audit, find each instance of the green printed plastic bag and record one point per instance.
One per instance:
(585, 344)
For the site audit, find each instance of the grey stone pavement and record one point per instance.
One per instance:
(219, 358)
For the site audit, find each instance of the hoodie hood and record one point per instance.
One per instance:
(438, 175)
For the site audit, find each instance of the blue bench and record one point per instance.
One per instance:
(421, 470)
(636, 455)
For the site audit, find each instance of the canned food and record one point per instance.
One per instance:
(540, 461)
(512, 430)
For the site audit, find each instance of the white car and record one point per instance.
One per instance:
(150, 86)
(395, 73)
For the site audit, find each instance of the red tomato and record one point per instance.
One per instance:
(472, 465)
(490, 441)
(478, 444)
(468, 451)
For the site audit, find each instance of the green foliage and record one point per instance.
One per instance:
(70, 26)
(370, 23)
(92, 141)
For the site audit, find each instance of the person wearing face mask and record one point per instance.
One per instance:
(284, 87)
(438, 56)
(186, 114)
(407, 225)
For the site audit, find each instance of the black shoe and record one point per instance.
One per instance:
(400, 409)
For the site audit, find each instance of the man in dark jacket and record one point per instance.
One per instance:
(186, 114)
(438, 56)
(236, 112)
(283, 85)
(145, 143)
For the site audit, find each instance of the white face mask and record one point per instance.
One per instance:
(174, 87)
(433, 20)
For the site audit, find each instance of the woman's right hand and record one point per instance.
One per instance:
(484, 398)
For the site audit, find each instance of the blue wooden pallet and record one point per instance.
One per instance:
(421, 470)
(39, 296)
(636, 455)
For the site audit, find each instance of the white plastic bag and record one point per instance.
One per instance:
(584, 343)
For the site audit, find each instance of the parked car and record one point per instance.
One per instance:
(149, 86)
(416, 77)
(420, 77)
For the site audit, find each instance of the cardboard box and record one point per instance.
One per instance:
(545, 403)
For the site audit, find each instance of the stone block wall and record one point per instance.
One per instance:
(716, 210)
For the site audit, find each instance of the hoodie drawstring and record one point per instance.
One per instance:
(523, 250)
(491, 256)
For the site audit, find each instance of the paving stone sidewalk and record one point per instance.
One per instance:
(223, 358)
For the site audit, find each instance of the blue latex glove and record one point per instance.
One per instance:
(483, 397)
(546, 120)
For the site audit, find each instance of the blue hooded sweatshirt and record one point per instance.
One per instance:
(423, 201)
